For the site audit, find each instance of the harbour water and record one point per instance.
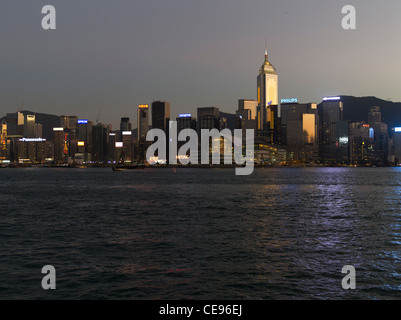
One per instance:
(280, 233)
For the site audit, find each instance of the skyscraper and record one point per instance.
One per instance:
(246, 114)
(59, 142)
(374, 116)
(125, 125)
(143, 121)
(99, 142)
(161, 120)
(160, 115)
(29, 126)
(300, 131)
(85, 137)
(267, 96)
(3, 139)
(208, 118)
(381, 138)
(143, 128)
(69, 122)
(331, 113)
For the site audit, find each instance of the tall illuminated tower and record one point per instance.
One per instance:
(267, 96)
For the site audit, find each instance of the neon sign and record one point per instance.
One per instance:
(331, 98)
(292, 100)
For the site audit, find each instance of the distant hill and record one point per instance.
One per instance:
(357, 109)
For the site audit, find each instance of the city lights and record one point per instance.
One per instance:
(185, 115)
(331, 98)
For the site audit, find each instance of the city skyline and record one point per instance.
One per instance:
(149, 56)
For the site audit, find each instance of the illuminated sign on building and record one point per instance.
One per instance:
(58, 129)
(32, 140)
(182, 157)
(185, 115)
(143, 106)
(119, 144)
(397, 129)
(331, 98)
(82, 121)
(81, 143)
(292, 100)
(112, 134)
(371, 133)
(127, 133)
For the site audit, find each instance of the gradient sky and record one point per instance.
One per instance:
(113, 55)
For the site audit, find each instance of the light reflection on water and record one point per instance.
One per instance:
(201, 234)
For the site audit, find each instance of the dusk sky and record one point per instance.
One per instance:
(113, 55)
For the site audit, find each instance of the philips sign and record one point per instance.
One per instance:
(292, 100)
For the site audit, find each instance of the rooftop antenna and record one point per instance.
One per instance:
(266, 49)
(98, 117)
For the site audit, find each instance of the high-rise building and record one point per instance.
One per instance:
(69, 122)
(267, 94)
(299, 124)
(143, 121)
(381, 137)
(20, 123)
(125, 125)
(161, 115)
(143, 128)
(361, 143)
(374, 116)
(208, 118)
(161, 120)
(331, 113)
(3, 140)
(249, 108)
(342, 142)
(38, 130)
(127, 146)
(397, 143)
(99, 142)
(185, 121)
(59, 143)
(33, 150)
(85, 138)
(70, 125)
(111, 150)
(29, 125)
(246, 114)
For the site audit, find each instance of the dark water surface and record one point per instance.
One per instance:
(200, 233)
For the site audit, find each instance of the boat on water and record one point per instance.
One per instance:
(123, 165)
